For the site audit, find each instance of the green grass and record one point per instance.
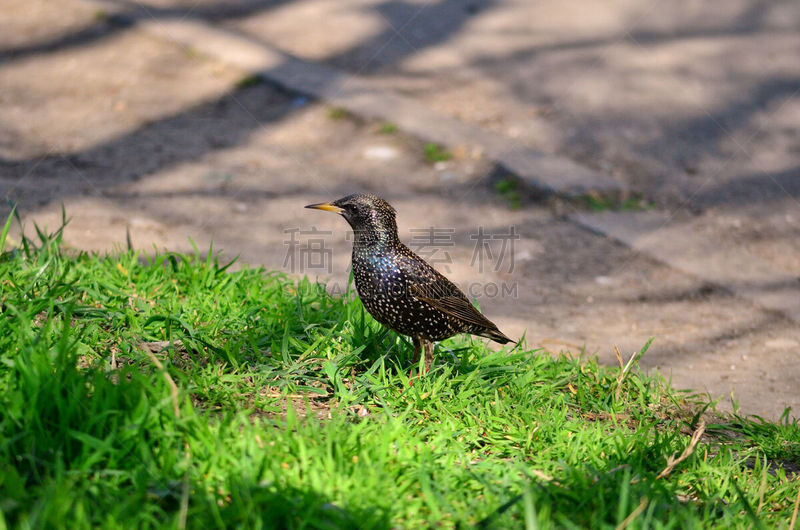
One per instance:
(436, 153)
(599, 203)
(339, 113)
(250, 80)
(171, 391)
(509, 189)
(388, 128)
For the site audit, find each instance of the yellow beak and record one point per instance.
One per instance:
(328, 207)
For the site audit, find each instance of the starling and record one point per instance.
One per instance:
(397, 287)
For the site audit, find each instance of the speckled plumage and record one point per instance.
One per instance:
(400, 289)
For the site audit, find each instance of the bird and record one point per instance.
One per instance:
(400, 289)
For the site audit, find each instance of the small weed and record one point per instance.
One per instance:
(508, 189)
(101, 15)
(249, 81)
(388, 128)
(436, 153)
(192, 52)
(599, 203)
(339, 113)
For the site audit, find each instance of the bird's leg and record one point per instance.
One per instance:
(428, 345)
(417, 347)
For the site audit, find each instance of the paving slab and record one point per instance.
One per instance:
(663, 97)
(359, 95)
(693, 244)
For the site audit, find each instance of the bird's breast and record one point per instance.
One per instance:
(383, 283)
(376, 270)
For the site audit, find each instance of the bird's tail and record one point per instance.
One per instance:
(496, 335)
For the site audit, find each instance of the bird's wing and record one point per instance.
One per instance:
(428, 285)
(456, 306)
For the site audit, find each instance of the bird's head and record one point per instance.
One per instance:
(370, 217)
